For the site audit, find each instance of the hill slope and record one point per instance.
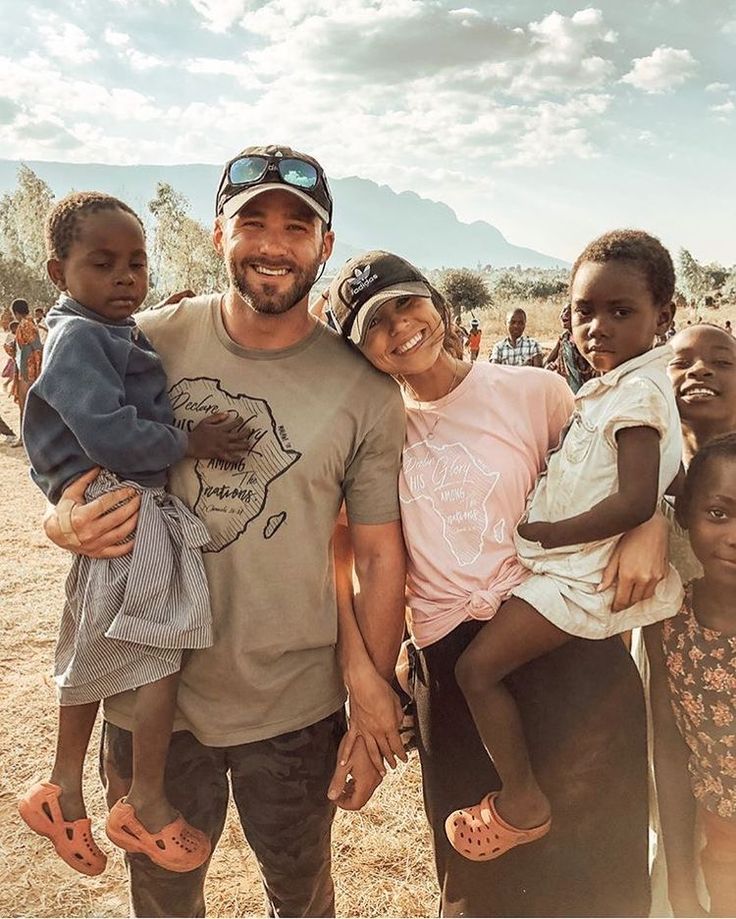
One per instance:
(367, 215)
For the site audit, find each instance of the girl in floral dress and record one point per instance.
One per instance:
(693, 691)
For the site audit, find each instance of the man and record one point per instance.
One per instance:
(265, 702)
(517, 349)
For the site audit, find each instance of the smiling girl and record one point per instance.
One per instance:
(477, 438)
(101, 400)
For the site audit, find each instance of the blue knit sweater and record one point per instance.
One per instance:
(101, 400)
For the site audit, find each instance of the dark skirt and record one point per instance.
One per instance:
(583, 713)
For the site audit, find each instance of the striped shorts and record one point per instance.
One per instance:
(127, 620)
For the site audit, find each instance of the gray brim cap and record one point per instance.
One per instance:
(365, 314)
(238, 201)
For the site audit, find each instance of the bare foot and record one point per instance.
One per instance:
(523, 811)
(153, 813)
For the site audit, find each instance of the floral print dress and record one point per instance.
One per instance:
(701, 673)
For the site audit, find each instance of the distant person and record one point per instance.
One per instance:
(566, 359)
(517, 349)
(474, 336)
(728, 327)
(101, 399)
(39, 317)
(28, 353)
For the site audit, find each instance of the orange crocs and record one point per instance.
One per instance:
(177, 847)
(480, 834)
(72, 839)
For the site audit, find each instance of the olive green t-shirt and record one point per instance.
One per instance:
(323, 426)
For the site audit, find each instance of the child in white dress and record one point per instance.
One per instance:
(618, 456)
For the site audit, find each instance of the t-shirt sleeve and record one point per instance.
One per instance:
(536, 347)
(640, 404)
(371, 484)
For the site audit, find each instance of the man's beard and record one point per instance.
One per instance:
(271, 301)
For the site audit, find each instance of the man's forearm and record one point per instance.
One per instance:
(379, 604)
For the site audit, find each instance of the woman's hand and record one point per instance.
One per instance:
(638, 563)
(93, 529)
(376, 716)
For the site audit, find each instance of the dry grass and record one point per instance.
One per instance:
(543, 320)
(382, 856)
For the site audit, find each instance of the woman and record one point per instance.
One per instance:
(28, 350)
(582, 705)
(565, 358)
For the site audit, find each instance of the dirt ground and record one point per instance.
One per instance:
(382, 856)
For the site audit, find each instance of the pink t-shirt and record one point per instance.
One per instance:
(469, 463)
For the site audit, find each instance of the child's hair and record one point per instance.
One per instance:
(63, 220)
(12, 326)
(638, 247)
(721, 447)
(19, 306)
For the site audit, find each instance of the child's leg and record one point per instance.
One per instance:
(516, 634)
(72, 740)
(153, 721)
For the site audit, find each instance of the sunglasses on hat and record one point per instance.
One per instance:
(253, 169)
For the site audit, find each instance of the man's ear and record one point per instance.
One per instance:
(328, 242)
(55, 271)
(217, 235)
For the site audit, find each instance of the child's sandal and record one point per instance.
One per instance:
(177, 847)
(72, 839)
(479, 833)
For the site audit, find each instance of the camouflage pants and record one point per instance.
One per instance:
(280, 789)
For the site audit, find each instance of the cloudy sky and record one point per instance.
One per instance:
(551, 120)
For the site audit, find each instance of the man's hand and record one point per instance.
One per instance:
(353, 782)
(638, 563)
(175, 298)
(220, 437)
(97, 529)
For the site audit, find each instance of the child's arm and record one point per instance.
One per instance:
(675, 799)
(633, 503)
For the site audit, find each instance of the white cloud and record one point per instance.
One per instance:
(717, 88)
(221, 15)
(115, 38)
(64, 40)
(724, 108)
(664, 69)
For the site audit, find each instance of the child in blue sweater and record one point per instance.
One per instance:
(101, 400)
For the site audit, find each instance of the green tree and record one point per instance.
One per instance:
(692, 279)
(465, 290)
(182, 256)
(22, 244)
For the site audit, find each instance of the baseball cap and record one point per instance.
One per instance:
(259, 169)
(365, 283)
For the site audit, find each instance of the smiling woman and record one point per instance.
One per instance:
(477, 438)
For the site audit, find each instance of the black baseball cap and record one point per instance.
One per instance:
(365, 283)
(259, 169)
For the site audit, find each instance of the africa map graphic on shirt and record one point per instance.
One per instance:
(232, 495)
(457, 487)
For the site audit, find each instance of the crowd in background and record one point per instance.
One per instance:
(24, 338)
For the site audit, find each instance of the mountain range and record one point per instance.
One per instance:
(367, 215)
